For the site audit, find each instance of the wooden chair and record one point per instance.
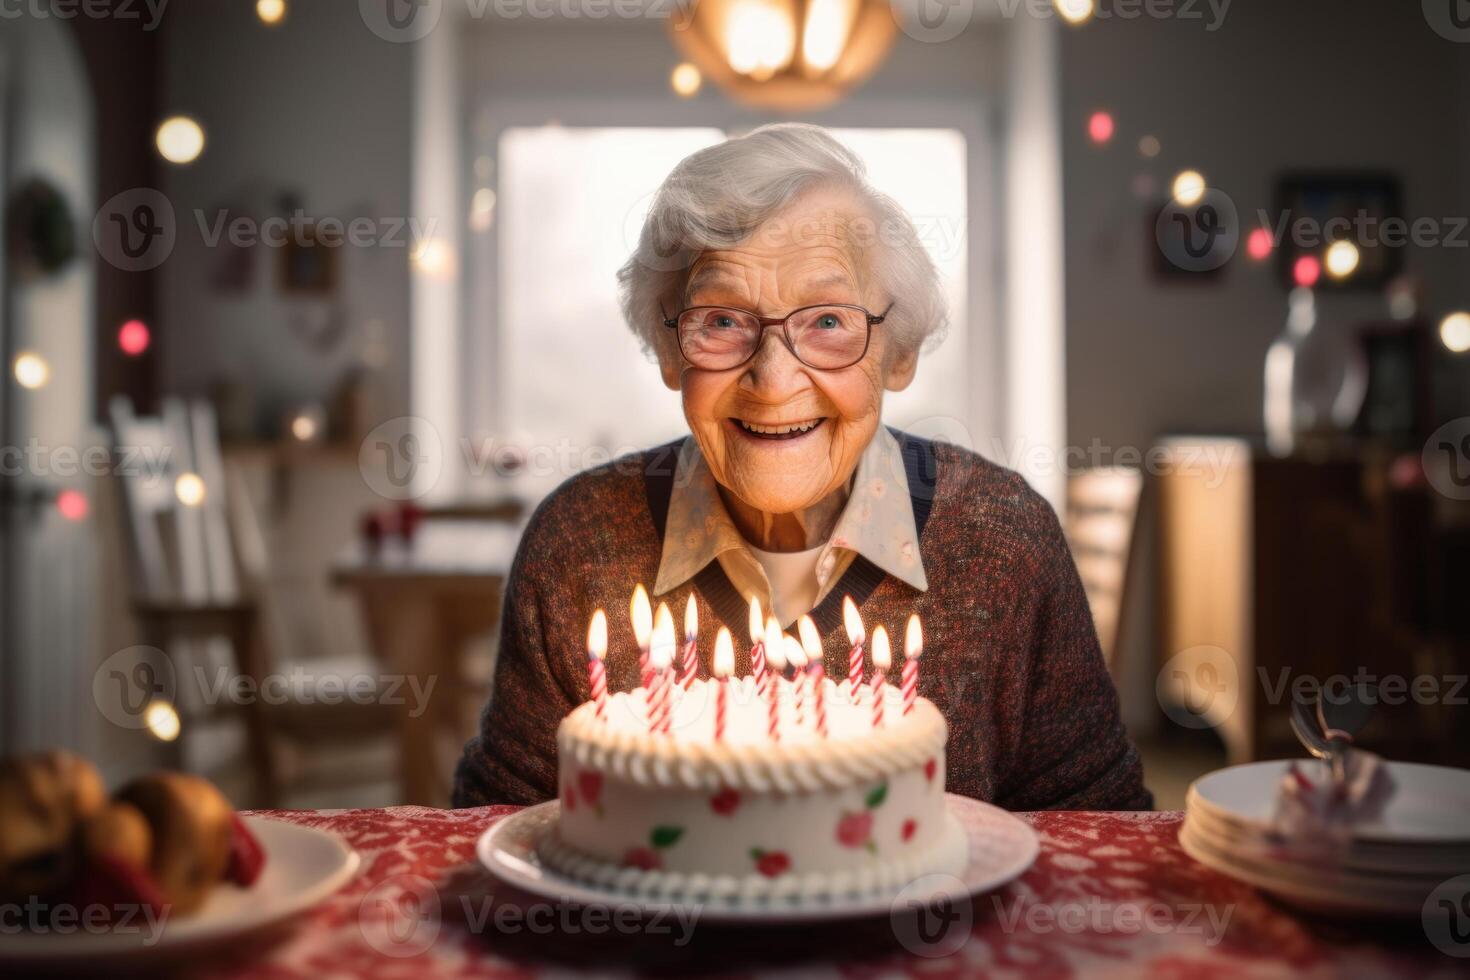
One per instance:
(204, 573)
(1101, 519)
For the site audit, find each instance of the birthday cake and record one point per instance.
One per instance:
(756, 788)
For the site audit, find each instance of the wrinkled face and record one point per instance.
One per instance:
(777, 434)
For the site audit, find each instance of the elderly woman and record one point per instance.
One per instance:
(782, 296)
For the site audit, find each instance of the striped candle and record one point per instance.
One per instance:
(596, 670)
(776, 665)
(642, 615)
(913, 648)
(690, 665)
(796, 657)
(811, 642)
(724, 666)
(882, 660)
(660, 661)
(757, 646)
(855, 636)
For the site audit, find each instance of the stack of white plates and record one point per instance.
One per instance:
(1390, 866)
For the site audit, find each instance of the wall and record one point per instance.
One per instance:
(320, 107)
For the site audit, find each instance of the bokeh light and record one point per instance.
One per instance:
(133, 337)
(1149, 146)
(1100, 127)
(1075, 11)
(162, 720)
(31, 370)
(685, 80)
(1342, 259)
(270, 12)
(1258, 244)
(1306, 271)
(180, 139)
(189, 488)
(1454, 332)
(72, 505)
(1188, 187)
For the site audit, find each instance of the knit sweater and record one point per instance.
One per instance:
(1010, 653)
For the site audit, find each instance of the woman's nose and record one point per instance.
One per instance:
(773, 370)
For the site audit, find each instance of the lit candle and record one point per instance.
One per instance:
(724, 666)
(757, 645)
(690, 665)
(855, 636)
(913, 648)
(642, 616)
(660, 659)
(811, 642)
(882, 660)
(775, 665)
(796, 657)
(596, 651)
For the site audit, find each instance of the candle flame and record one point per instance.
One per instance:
(642, 615)
(775, 649)
(882, 654)
(757, 620)
(661, 650)
(913, 638)
(795, 655)
(851, 621)
(691, 618)
(724, 653)
(811, 640)
(597, 635)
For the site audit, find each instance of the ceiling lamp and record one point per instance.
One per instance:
(790, 55)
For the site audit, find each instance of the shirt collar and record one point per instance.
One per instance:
(877, 523)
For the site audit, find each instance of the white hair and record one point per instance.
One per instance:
(717, 197)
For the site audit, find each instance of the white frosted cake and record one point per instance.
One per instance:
(852, 808)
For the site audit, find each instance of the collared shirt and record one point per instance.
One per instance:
(877, 523)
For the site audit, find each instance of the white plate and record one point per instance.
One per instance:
(1333, 895)
(303, 866)
(1001, 848)
(1429, 805)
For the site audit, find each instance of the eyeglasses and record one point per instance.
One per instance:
(828, 338)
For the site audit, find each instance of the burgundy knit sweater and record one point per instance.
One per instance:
(1010, 654)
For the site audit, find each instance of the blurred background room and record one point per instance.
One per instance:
(301, 301)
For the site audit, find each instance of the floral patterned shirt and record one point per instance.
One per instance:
(877, 523)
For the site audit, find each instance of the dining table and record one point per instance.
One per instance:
(1110, 894)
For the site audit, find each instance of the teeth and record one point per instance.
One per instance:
(778, 430)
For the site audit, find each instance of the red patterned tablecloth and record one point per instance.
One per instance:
(1111, 894)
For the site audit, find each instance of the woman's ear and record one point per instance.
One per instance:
(901, 369)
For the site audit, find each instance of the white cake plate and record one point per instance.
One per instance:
(1001, 848)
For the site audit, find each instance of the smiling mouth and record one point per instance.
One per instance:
(785, 430)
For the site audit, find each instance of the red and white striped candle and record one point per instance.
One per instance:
(642, 615)
(690, 664)
(811, 642)
(660, 662)
(913, 648)
(796, 657)
(855, 636)
(775, 666)
(757, 645)
(596, 669)
(882, 660)
(724, 666)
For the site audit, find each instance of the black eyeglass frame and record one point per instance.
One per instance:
(766, 322)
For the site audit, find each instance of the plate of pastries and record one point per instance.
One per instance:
(163, 862)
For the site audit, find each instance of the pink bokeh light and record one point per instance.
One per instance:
(1306, 271)
(1100, 127)
(133, 337)
(73, 505)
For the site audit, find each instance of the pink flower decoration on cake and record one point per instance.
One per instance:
(771, 863)
(854, 829)
(644, 858)
(930, 768)
(909, 826)
(569, 797)
(591, 785)
(725, 802)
